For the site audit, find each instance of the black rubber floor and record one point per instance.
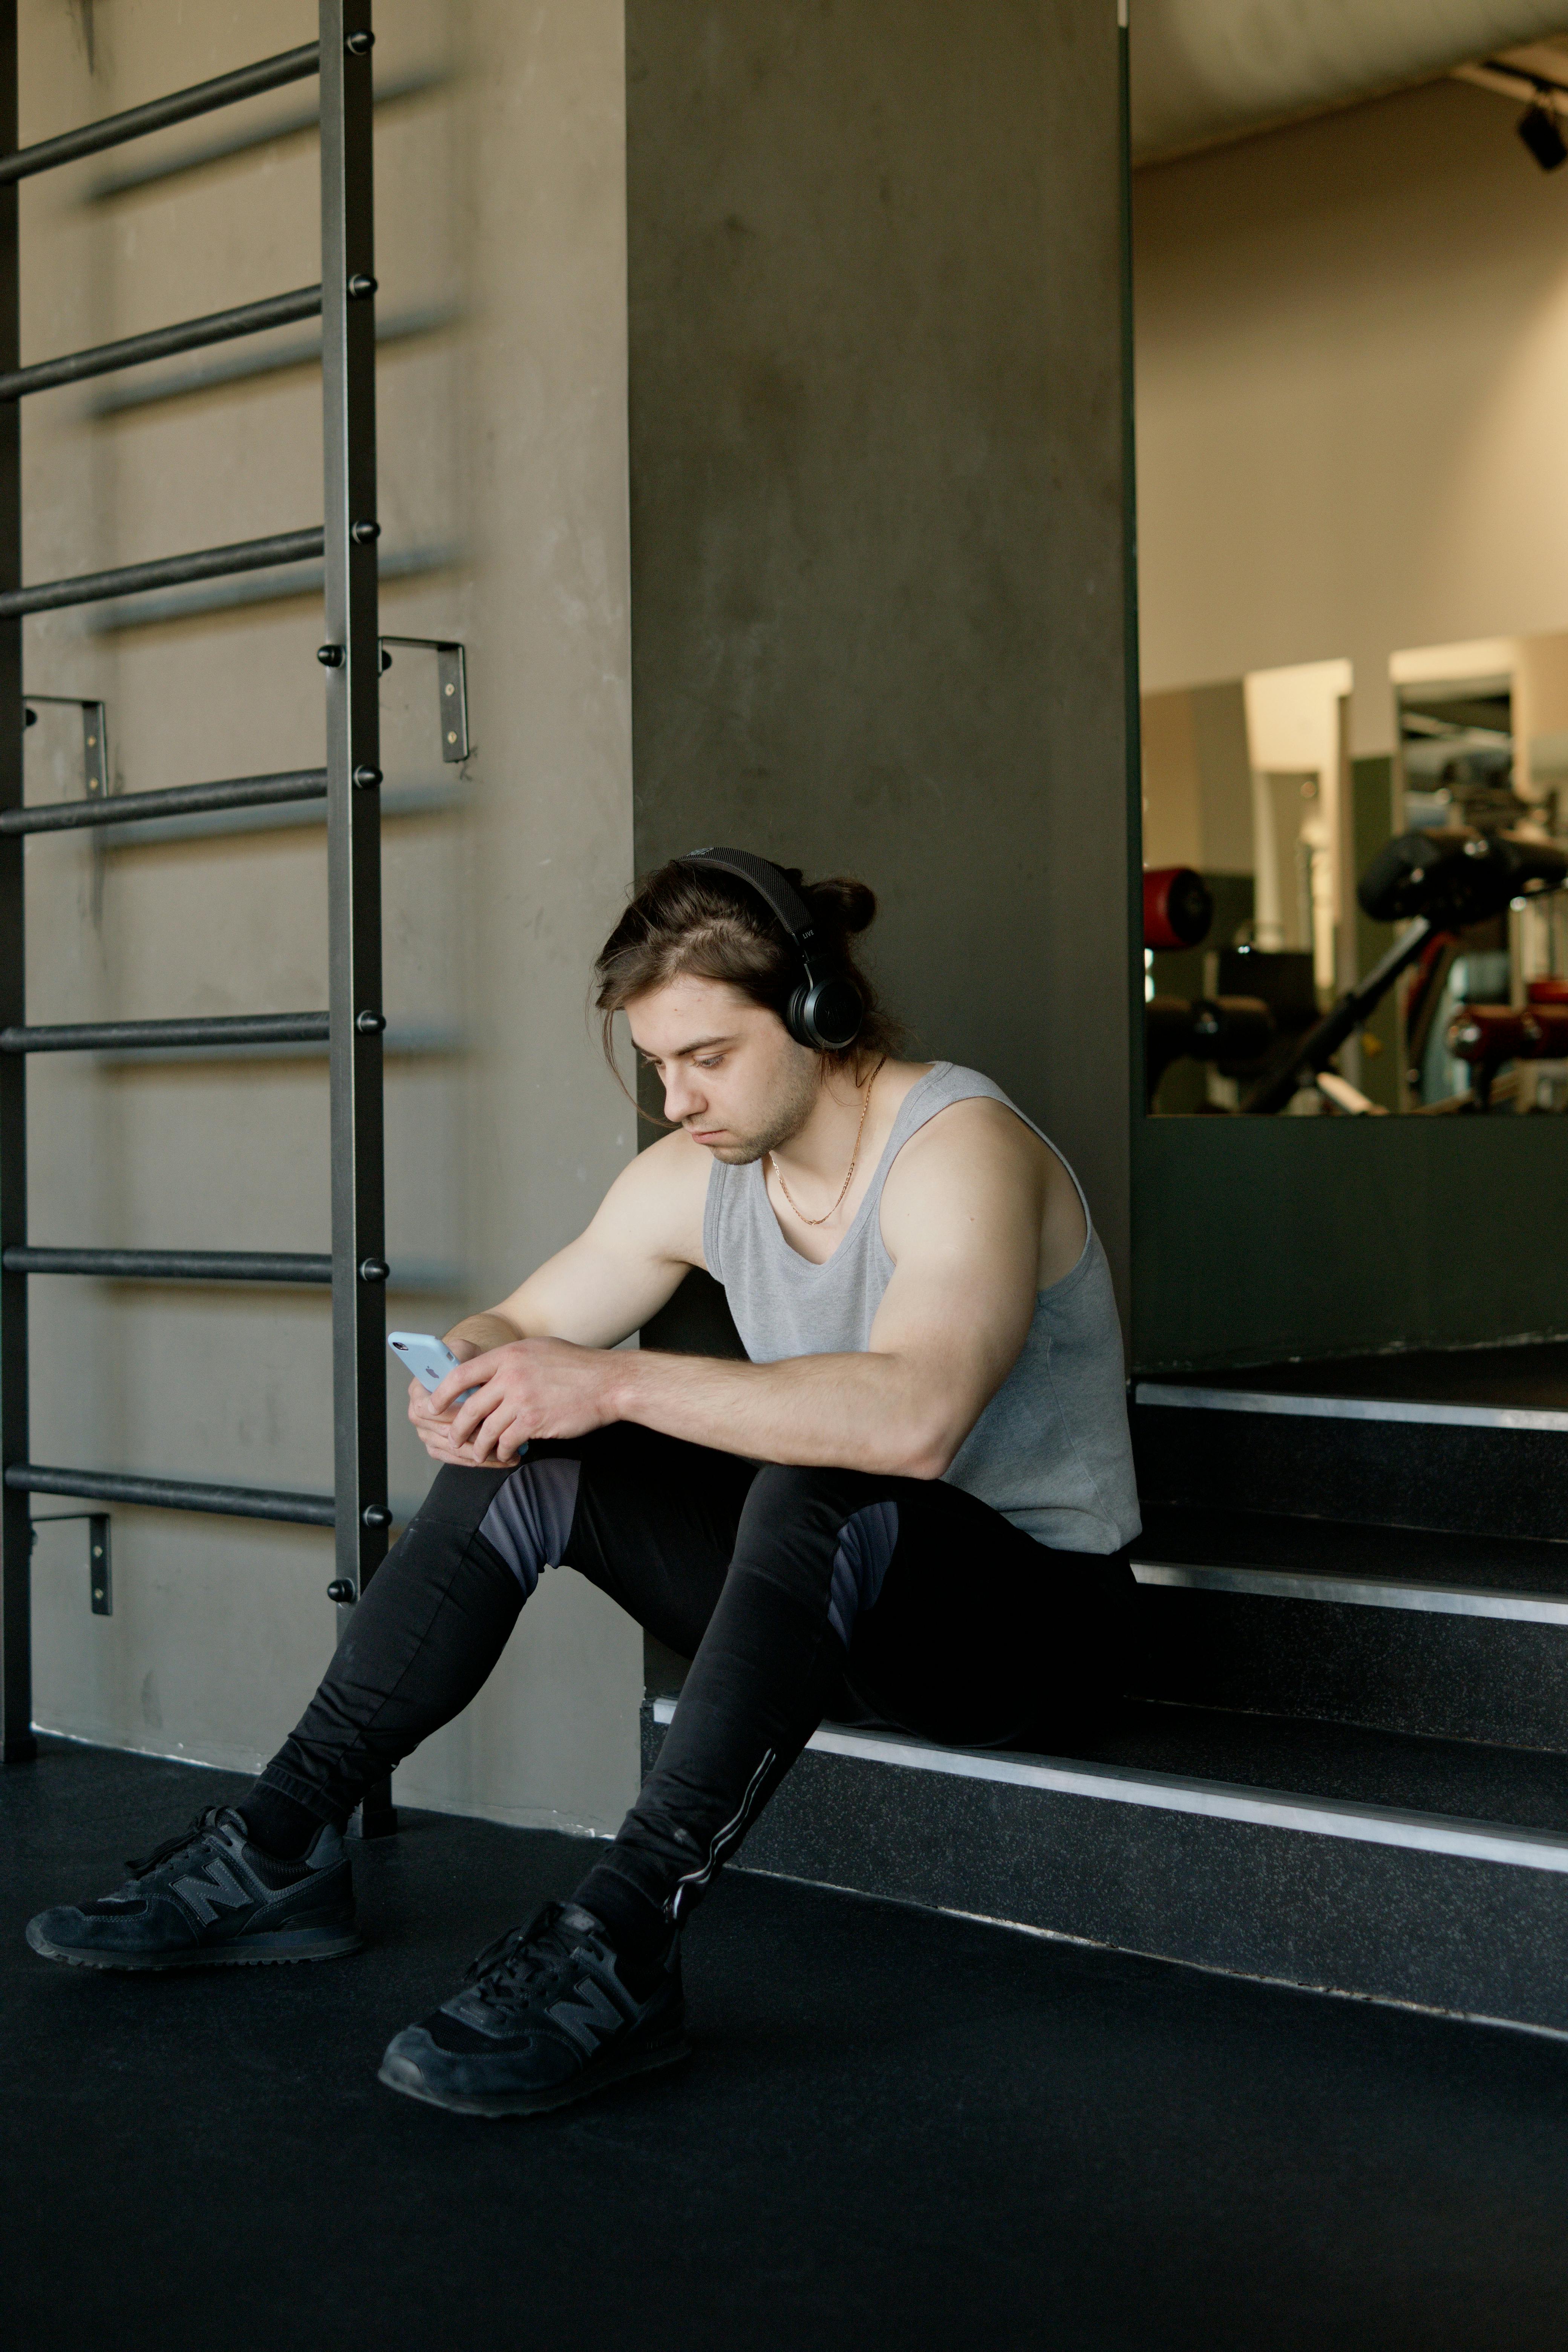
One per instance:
(898, 2129)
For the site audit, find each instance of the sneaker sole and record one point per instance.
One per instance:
(258, 1952)
(403, 2074)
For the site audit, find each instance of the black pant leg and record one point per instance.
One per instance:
(656, 1525)
(653, 1526)
(981, 1637)
(766, 1670)
(422, 1639)
(965, 1630)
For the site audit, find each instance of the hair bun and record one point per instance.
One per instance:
(847, 905)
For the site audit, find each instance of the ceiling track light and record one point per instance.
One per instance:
(1539, 129)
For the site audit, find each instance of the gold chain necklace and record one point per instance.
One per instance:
(854, 1161)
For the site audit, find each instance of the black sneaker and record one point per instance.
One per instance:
(546, 2016)
(208, 1898)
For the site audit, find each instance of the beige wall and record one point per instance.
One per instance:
(503, 492)
(1352, 370)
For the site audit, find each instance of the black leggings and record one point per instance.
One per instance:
(795, 1593)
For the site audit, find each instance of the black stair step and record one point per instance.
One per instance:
(1390, 1868)
(1429, 1561)
(1463, 1637)
(1351, 1764)
(1474, 1441)
(1529, 1377)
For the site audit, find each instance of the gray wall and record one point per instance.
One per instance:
(876, 378)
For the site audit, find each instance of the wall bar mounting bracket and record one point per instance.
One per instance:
(100, 1561)
(451, 689)
(94, 743)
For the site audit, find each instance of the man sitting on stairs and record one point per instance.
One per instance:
(908, 1506)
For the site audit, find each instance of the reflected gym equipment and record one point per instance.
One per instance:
(1203, 1029)
(1437, 883)
(1178, 906)
(1487, 1036)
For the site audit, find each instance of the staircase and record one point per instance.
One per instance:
(1343, 1764)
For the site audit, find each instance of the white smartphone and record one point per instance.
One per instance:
(428, 1358)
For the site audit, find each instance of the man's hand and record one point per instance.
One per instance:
(529, 1388)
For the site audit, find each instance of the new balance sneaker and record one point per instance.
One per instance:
(209, 1898)
(546, 2016)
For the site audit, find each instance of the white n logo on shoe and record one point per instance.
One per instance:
(218, 1891)
(589, 2018)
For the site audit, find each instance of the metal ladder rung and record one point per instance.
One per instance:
(163, 342)
(178, 800)
(106, 1037)
(203, 563)
(176, 1494)
(173, 1265)
(201, 98)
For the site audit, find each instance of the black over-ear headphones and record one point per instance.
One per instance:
(826, 1011)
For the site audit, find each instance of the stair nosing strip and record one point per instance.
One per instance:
(1340, 1817)
(1356, 1592)
(1330, 1408)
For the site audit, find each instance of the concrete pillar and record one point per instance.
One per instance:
(879, 503)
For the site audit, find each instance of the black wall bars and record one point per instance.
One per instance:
(353, 1024)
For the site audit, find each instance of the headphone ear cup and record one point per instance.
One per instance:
(797, 1019)
(826, 1014)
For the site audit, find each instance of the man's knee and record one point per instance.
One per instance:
(784, 1493)
(530, 1516)
(834, 1530)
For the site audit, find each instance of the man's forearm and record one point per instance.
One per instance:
(481, 1332)
(869, 1412)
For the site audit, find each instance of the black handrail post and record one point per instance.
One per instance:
(353, 810)
(15, 1530)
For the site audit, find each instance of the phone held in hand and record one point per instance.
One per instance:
(428, 1358)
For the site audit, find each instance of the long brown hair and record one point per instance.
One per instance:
(690, 920)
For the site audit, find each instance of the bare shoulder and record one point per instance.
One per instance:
(974, 1159)
(972, 1136)
(659, 1200)
(977, 1168)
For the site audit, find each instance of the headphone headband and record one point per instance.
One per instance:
(769, 881)
(827, 1011)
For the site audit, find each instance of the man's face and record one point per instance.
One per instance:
(733, 1077)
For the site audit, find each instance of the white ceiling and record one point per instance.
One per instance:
(1204, 70)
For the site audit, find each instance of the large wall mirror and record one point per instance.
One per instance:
(1352, 346)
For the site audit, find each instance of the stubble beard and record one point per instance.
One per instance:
(794, 1109)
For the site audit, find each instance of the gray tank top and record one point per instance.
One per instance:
(1051, 1451)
